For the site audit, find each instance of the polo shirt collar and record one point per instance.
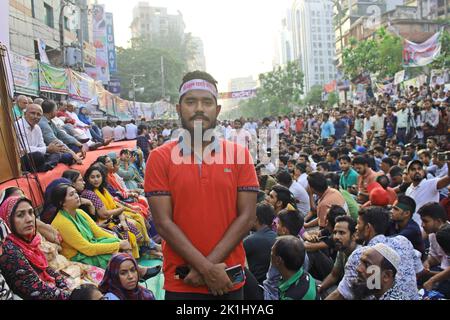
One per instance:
(284, 286)
(185, 149)
(377, 239)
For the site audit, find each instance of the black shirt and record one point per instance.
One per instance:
(257, 249)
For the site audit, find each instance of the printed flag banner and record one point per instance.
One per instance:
(399, 77)
(26, 74)
(52, 79)
(419, 55)
(81, 86)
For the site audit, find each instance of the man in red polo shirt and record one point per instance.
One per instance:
(202, 195)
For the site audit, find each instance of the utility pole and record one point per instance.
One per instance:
(83, 11)
(163, 81)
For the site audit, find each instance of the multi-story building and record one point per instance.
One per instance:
(314, 40)
(285, 46)
(40, 19)
(155, 22)
(198, 61)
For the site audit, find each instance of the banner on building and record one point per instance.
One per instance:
(81, 86)
(42, 53)
(52, 79)
(89, 54)
(112, 60)
(101, 71)
(114, 85)
(419, 55)
(330, 87)
(26, 74)
(399, 77)
(245, 94)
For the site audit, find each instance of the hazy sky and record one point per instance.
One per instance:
(238, 35)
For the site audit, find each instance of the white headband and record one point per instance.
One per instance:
(198, 84)
(390, 254)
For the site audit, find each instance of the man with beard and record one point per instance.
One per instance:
(421, 189)
(382, 284)
(366, 177)
(373, 223)
(202, 193)
(344, 242)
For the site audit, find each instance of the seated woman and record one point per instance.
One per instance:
(23, 264)
(105, 219)
(108, 210)
(83, 240)
(121, 280)
(5, 291)
(129, 173)
(120, 192)
(136, 160)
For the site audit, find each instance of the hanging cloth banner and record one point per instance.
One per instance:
(419, 55)
(26, 74)
(52, 79)
(81, 86)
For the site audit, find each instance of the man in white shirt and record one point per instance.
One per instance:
(300, 175)
(119, 131)
(167, 131)
(131, 130)
(78, 123)
(421, 189)
(33, 151)
(300, 194)
(108, 131)
(240, 136)
(378, 122)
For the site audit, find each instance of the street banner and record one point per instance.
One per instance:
(245, 94)
(112, 61)
(416, 82)
(26, 74)
(90, 54)
(81, 86)
(52, 79)
(330, 87)
(399, 77)
(101, 71)
(419, 55)
(114, 85)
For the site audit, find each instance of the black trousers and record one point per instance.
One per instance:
(235, 295)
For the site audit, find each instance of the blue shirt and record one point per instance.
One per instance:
(405, 278)
(327, 130)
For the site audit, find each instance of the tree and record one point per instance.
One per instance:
(333, 98)
(144, 58)
(314, 96)
(443, 61)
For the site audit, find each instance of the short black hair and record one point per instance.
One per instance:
(443, 238)
(118, 122)
(324, 165)
(334, 212)
(360, 160)
(345, 158)
(384, 181)
(124, 151)
(333, 154)
(284, 195)
(48, 106)
(71, 175)
(433, 210)
(291, 250)
(265, 214)
(378, 217)
(317, 181)
(379, 149)
(388, 161)
(291, 220)
(84, 292)
(301, 167)
(284, 178)
(396, 171)
(409, 202)
(332, 180)
(350, 221)
(394, 154)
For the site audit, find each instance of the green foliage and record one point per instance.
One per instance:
(443, 61)
(333, 98)
(144, 58)
(382, 54)
(280, 90)
(314, 96)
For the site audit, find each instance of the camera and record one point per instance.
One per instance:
(443, 156)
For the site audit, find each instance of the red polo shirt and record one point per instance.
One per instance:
(204, 199)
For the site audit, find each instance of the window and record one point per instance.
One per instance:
(315, 44)
(322, 69)
(316, 68)
(48, 18)
(66, 23)
(33, 14)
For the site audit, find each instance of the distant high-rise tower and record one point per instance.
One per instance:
(313, 40)
(198, 61)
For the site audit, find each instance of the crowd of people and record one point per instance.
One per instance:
(337, 196)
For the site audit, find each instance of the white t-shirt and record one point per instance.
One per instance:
(107, 132)
(425, 192)
(131, 131)
(302, 197)
(303, 180)
(166, 133)
(437, 252)
(119, 133)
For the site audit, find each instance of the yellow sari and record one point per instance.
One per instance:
(135, 218)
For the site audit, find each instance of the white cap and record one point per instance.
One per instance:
(390, 254)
